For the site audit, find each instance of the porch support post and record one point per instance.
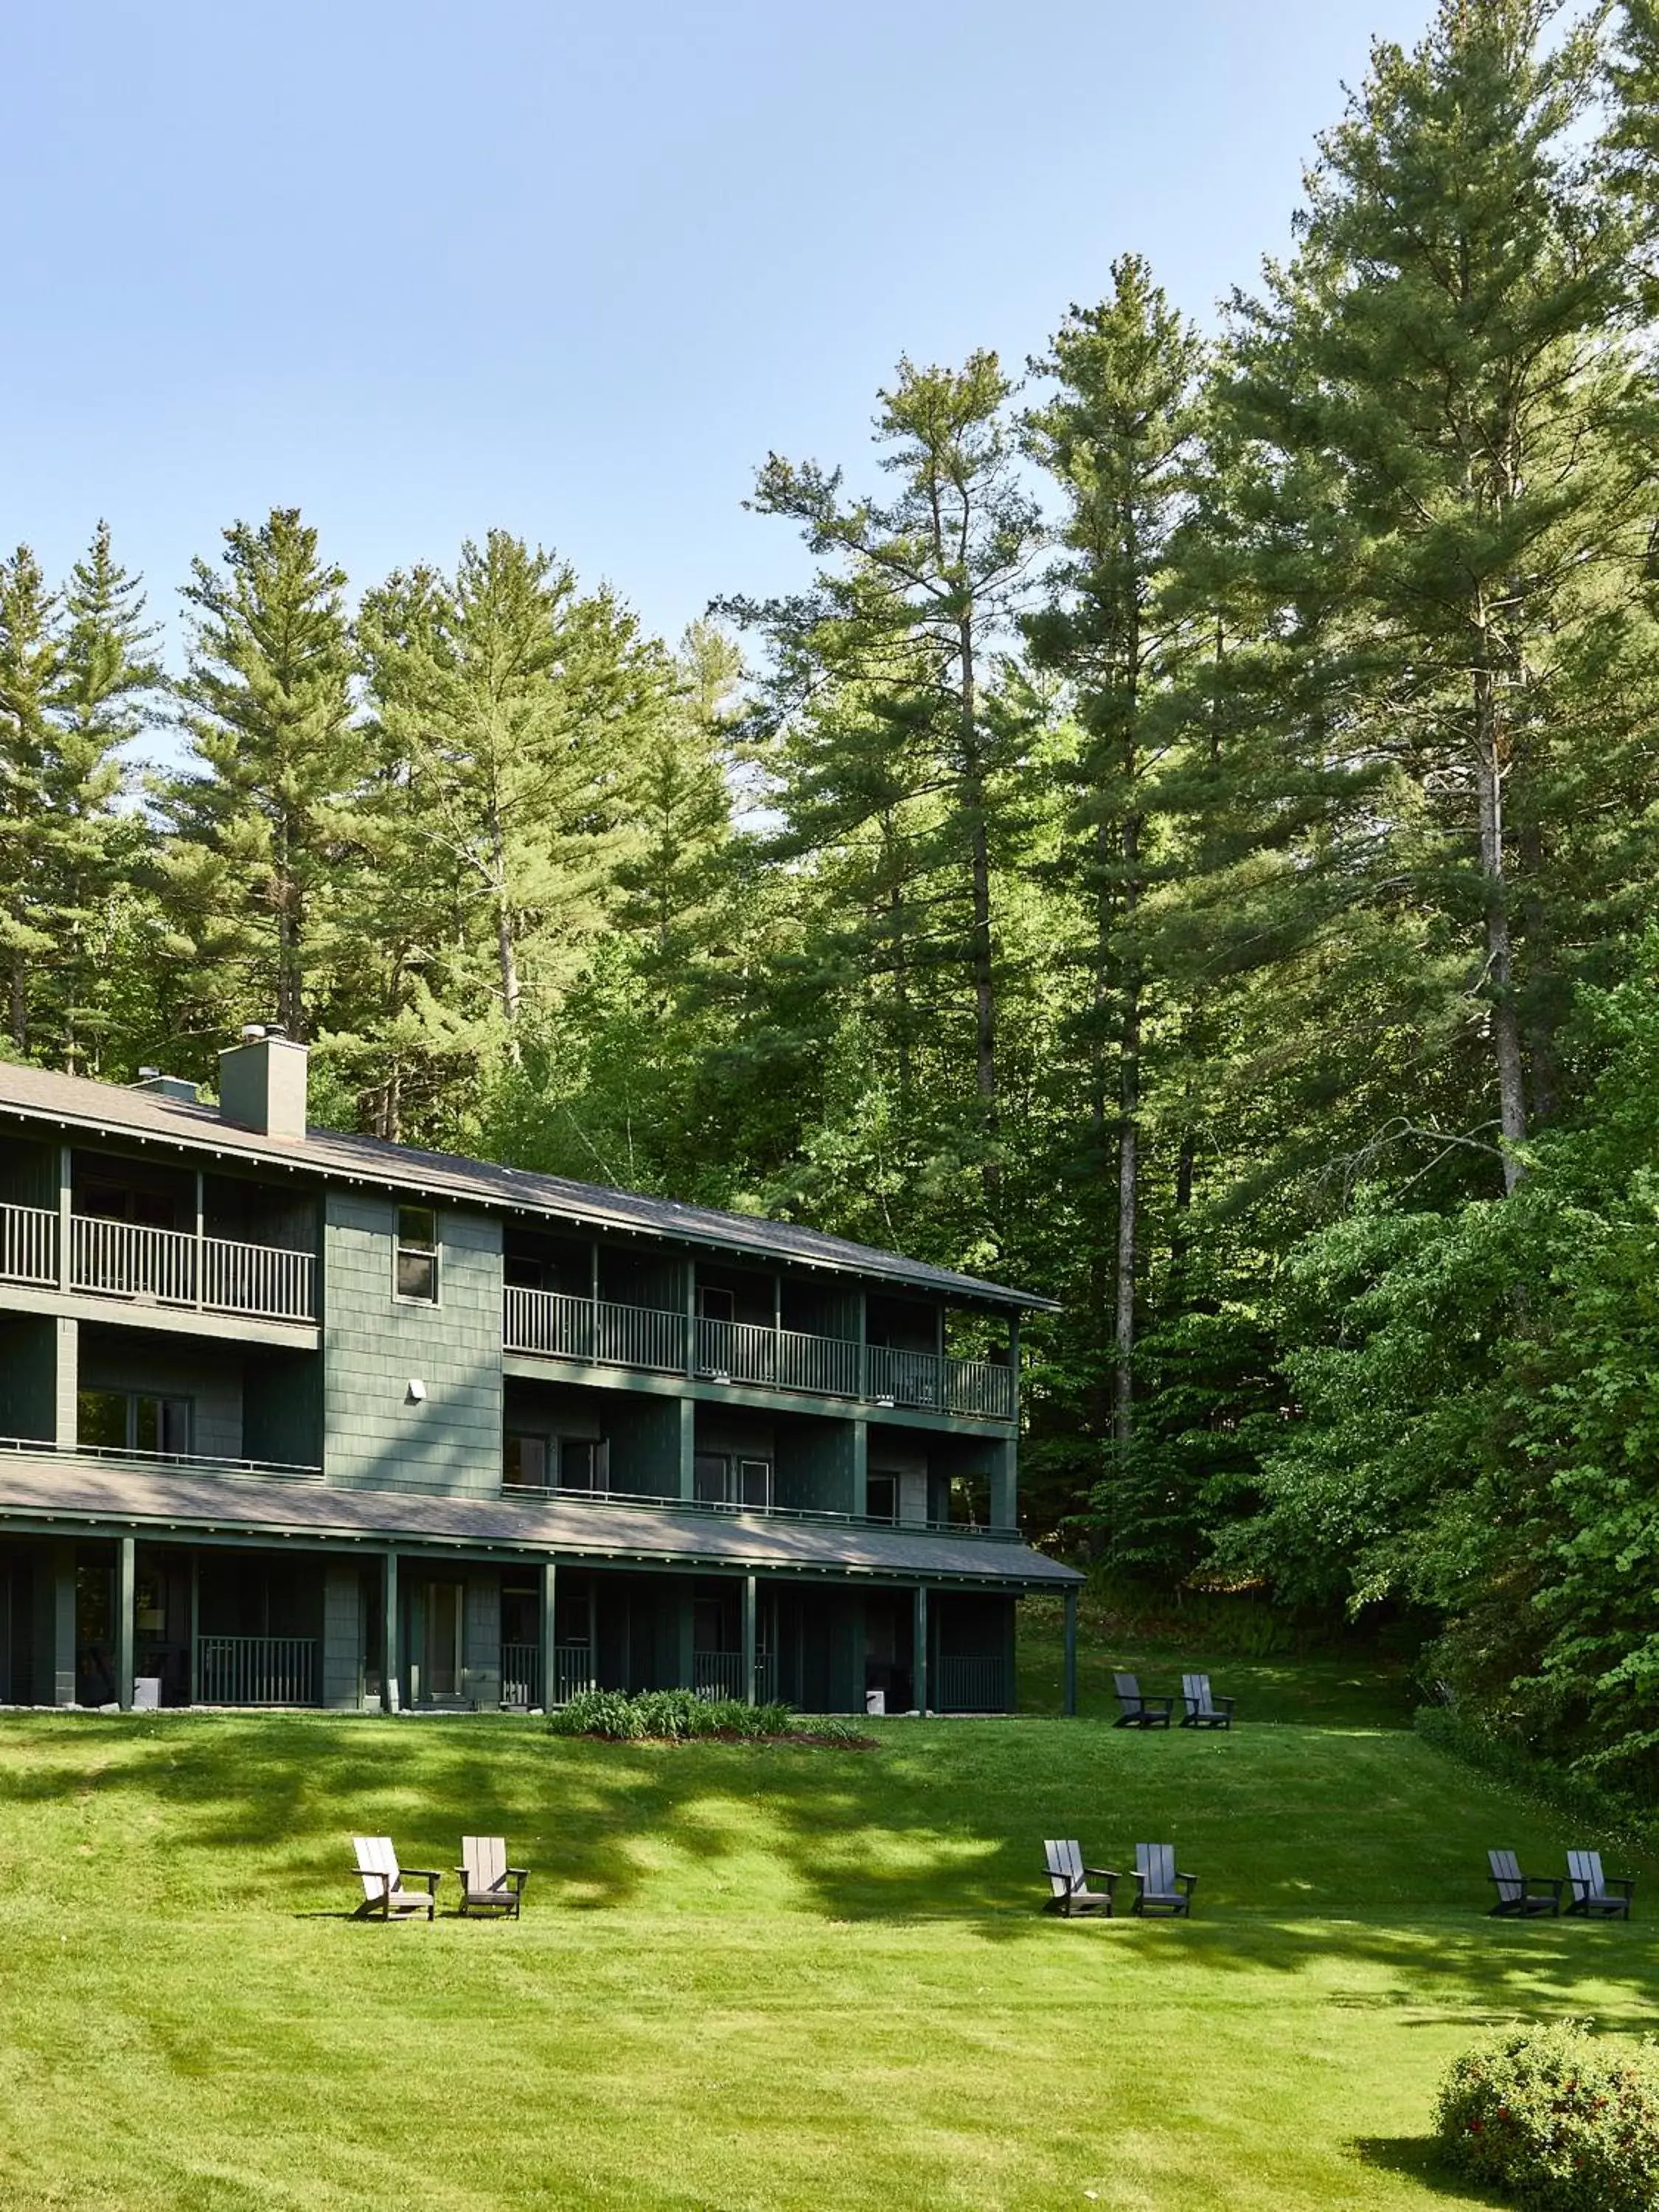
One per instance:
(1068, 1705)
(54, 1670)
(126, 1608)
(194, 1626)
(860, 1454)
(66, 1383)
(749, 1698)
(549, 1634)
(65, 1193)
(919, 1661)
(392, 1658)
(200, 1256)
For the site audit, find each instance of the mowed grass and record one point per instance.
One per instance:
(751, 1977)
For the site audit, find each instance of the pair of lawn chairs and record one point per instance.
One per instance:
(488, 1885)
(1160, 1890)
(1595, 1896)
(1200, 1710)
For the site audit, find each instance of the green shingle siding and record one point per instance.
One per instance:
(375, 1345)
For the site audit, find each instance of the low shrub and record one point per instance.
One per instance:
(671, 1716)
(1560, 2118)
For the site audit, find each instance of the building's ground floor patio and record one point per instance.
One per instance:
(177, 1620)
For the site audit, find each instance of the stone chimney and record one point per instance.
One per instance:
(262, 1082)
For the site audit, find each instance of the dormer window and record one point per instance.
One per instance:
(418, 1255)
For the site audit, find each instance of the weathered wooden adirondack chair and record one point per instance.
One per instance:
(488, 1883)
(1597, 1896)
(1158, 1887)
(1136, 1711)
(384, 1894)
(1520, 1895)
(1202, 1710)
(1069, 1880)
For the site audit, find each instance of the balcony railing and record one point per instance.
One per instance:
(970, 1685)
(158, 1267)
(592, 1332)
(256, 1670)
(521, 1675)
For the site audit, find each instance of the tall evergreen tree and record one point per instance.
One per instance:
(106, 690)
(917, 601)
(29, 651)
(1119, 435)
(260, 822)
(1445, 347)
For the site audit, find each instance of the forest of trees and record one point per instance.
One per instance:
(1191, 849)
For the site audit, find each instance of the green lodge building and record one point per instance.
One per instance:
(292, 1418)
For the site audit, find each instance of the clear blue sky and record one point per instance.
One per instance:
(422, 269)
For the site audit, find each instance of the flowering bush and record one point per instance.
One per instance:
(1562, 2119)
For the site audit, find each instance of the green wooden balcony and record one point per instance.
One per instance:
(99, 1258)
(652, 1340)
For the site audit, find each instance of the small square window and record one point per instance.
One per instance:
(418, 1253)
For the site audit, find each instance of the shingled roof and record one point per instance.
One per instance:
(145, 1117)
(175, 1501)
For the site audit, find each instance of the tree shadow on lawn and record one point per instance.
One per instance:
(1418, 2157)
(945, 1822)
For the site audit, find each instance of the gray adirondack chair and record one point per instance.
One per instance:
(384, 1896)
(488, 1883)
(1136, 1711)
(1521, 1895)
(1597, 1896)
(1158, 1888)
(1069, 1880)
(1202, 1710)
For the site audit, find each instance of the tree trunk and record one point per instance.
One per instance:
(985, 1069)
(1506, 1025)
(1128, 1162)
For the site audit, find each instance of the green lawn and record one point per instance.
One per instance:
(760, 1978)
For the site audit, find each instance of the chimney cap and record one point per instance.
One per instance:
(257, 1032)
(147, 1074)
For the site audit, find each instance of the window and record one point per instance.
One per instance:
(524, 1463)
(715, 1304)
(131, 1420)
(522, 1274)
(581, 1463)
(881, 1497)
(418, 1253)
(717, 1479)
(540, 1462)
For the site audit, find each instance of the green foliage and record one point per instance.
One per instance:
(1560, 2118)
(670, 1715)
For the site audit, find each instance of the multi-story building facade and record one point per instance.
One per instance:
(288, 1417)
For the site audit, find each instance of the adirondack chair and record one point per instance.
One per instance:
(1593, 1892)
(1069, 1880)
(1136, 1711)
(1520, 1895)
(1202, 1710)
(383, 1879)
(1158, 1887)
(488, 1883)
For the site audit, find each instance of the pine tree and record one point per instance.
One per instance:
(29, 654)
(888, 680)
(505, 707)
(261, 824)
(1119, 435)
(1444, 358)
(104, 694)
